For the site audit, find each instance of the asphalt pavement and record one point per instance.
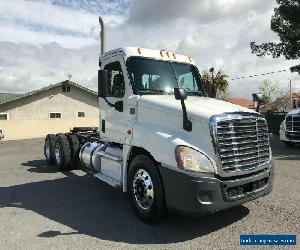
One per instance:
(42, 208)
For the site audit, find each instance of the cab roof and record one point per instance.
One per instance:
(149, 53)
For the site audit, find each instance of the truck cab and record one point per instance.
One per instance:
(209, 154)
(290, 127)
(164, 141)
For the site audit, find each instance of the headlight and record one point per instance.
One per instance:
(192, 160)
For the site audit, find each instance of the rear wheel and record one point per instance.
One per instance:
(146, 190)
(62, 152)
(289, 144)
(49, 149)
(74, 150)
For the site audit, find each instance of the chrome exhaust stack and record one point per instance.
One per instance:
(102, 35)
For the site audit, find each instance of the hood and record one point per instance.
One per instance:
(198, 108)
(294, 112)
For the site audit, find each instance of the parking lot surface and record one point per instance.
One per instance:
(42, 208)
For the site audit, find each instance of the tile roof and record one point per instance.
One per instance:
(13, 97)
(242, 102)
(5, 96)
(296, 96)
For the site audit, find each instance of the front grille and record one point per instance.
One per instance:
(292, 123)
(242, 141)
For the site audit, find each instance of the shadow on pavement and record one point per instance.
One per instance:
(51, 234)
(283, 152)
(39, 166)
(93, 208)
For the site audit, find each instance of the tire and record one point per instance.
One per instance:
(148, 210)
(74, 151)
(289, 144)
(62, 153)
(49, 149)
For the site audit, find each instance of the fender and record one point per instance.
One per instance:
(161, 143)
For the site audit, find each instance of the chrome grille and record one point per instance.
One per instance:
(292, 123)
(242, 141)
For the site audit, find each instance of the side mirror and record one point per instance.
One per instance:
(180, 93)
(102, 83)
(257, 98)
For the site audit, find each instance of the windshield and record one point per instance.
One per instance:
(161, 77)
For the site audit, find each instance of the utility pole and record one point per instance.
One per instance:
(291, 95)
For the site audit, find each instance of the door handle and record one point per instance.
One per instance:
(103, 126)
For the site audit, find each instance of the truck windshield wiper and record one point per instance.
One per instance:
(150, 91)
(195, 93)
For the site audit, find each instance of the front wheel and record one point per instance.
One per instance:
(146, 190)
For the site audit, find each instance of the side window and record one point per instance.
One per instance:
(66, 88)
(54, 115)
(4, 116)
(81, 114)
(116, 84)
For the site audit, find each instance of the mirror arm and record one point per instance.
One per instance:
(118, 105)
(258, 106)
(187, 124)
(108, 102)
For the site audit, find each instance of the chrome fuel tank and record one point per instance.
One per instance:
(89, 156)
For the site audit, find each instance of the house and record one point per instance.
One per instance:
(52, 109)
(242, 102)
(285, 103)
(296, 96)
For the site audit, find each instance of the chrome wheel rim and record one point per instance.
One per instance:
(47, 149)
(143, 189)
(57, 154)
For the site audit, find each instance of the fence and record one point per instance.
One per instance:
(274, 120)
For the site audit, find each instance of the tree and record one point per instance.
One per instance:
(286, 23)
(282, 103)
(217, 81)
(269, 90)
(224, 96)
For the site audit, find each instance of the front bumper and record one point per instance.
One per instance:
(291, 136)
(199, 193)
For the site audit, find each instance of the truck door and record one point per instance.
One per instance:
(113, 122)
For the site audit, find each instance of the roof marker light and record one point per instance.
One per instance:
(139, 50)
(174, 55)
(190, 59)
(167, 54)
(161, 53)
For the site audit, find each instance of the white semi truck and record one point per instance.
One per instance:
(290, 127)
(162, 140)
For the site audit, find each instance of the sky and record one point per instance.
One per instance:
(41, 41)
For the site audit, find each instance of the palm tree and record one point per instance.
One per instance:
(217, 81)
